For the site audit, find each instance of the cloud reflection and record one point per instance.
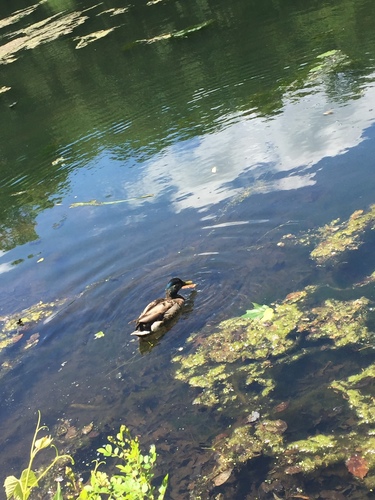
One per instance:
(201, 171)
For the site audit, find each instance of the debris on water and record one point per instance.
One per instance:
(62, 427)
(357, 466)
(95, 203)
(222, 477)
(253, 417)
(93, 434)
(32, 341)
(87, 428)
(281, 407)
(71, 433)
(171, 35)
(17, 337)
(85, 40)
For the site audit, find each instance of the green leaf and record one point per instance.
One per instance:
(260, 312)
(329, 53)
(43, 442)
(99, 335)
(12, 487)
(84, 494)
(58, 494)
(163, 487)
(126, 469)
(106, 451)
(28, 480)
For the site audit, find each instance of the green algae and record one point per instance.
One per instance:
(336, 238)
(333, 241)
(236, 369)
(17, 328)
(218, 364)
(32, 315)
(246, 364)
(242, 352)
(313, 453)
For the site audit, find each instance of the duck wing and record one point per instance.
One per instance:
(158, 310)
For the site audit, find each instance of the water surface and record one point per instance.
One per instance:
(221, 141)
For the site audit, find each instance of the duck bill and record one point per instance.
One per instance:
(189, 284)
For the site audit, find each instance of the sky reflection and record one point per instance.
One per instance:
(201, 171)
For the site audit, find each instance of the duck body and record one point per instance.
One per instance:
(159, 313)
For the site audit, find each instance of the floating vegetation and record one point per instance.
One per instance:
(114, 12)
(261, 312)
(334, 240)
(19, 14)
(243, 351)
(326, 66)
(38, 33)
(18, 328)
(99, 335)
(32, 315)
(328, 62)
(83, 41)
(174, 34)
(297, 350)
(95, 203)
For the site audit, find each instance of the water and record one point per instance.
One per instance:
(235, 142)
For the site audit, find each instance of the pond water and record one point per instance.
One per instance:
(205, 132)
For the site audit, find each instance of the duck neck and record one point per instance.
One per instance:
(173, 294)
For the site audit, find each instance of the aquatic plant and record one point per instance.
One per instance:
(136, 472)
(236, 369)
(242, 352)
(335, 240)
(20, 489)
(17, 329)
(134, 481)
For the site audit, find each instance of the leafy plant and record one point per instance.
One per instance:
(134, 482)
(260, 312)
(20, 489)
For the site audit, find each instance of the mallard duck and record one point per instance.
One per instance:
(160, 312)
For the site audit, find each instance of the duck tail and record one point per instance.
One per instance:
(142, 333)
